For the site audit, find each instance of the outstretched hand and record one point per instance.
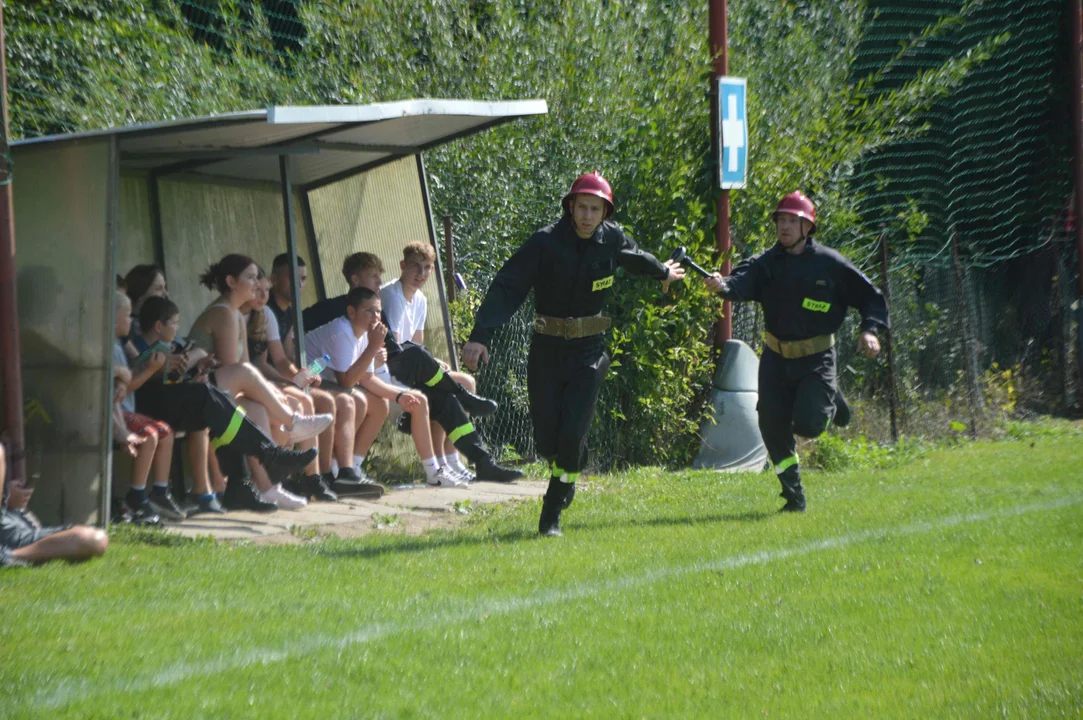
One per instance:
(676, 272)
(714, 282)
(475, 353)
(868, 344)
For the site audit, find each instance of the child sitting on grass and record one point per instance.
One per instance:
(149, 441)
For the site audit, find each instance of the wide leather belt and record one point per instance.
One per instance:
(793, 349)
(571, 328)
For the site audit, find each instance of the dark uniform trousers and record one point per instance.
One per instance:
(796, 397)
(415, 367)
(191, 407)
(564, 378)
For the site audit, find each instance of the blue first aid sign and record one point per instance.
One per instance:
(732, 126)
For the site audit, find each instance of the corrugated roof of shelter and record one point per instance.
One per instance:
(325, 143)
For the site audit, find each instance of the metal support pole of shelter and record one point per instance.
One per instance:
(886, 282)
(291, 248)
(1077, 166)
(11, 381)
(719, 31)
(112, 232)
(313, 247)
(452, 351)
(449, 251)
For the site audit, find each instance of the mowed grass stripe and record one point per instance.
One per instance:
(77, 692)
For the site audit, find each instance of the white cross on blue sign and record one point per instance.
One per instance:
(733, 133)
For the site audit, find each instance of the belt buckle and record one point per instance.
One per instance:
(569, 323)
(539, 324)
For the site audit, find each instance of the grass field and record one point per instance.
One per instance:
(951, 586)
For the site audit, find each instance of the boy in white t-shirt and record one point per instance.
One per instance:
(406, 308)
(352, 343)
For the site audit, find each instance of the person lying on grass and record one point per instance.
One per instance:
(23, 543)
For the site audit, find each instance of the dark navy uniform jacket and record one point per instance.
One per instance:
(808, 294)
(571, 276)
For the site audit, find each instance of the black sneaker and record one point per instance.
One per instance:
(793, 505)
(7, 560)
(318, 489)
(241, 494)
(298, 485)
(476, 405)
(486, 470)
(162, 502)
(357, 486)
(143, 514)
(210, 505)
(282, 462)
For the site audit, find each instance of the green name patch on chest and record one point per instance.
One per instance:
(606, 282)
(816, 305)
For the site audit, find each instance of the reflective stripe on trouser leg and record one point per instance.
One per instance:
(786, 464)
(460, 431)
(435, 378)
(231, 432)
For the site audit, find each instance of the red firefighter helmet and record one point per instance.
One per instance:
(592, 184)
(796, 203)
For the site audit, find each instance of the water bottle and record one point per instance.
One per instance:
(314, 368)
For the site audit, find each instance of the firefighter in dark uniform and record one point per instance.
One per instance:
(805, 289)
(571, 266)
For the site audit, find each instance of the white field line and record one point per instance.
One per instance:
(76, 691)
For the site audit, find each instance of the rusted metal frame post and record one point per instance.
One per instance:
(719, 31)
(449, 253)
(11, 382)
(888, 349)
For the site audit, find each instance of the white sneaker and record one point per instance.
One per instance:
(444, 478)
(463, 474)
(308, 426)
(283, 498)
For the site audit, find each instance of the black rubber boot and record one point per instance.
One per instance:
(842, 410)
(557, 497)
(240, 493)
(792, 490)
(485, 468)
(280, 462)
(476, 405)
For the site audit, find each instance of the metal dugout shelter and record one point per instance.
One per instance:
(317, 182)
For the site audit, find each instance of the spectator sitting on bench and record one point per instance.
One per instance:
(220, 331)
(264, 340)
(405, 310)
(414, 366)
(195, 402)
(149, 441)
(352, 343)
(22, 542)
(147, 281)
